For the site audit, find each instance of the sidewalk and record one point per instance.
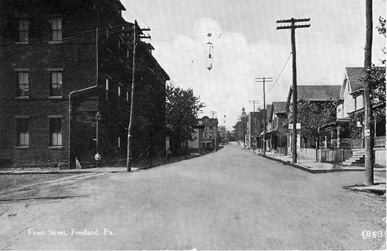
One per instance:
(322, 167)
(87, 170)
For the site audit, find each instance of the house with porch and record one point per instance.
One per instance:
(348, 129)
(315, 94)
(276, 131)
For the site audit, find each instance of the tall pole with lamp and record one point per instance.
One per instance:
(97, 155)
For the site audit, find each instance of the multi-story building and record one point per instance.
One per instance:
(65, 84)
(254, 128)
(276, 130)
(210, 132)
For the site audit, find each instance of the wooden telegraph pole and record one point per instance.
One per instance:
(264, 80)
(254, 102)
(367, 102)
(136, 36)
(293, 26)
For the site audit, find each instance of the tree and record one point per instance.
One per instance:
(240, 129)
(182, 108)
(378, 80)
(382, 30)
(312, 115)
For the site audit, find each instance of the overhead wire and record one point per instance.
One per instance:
(279, 75)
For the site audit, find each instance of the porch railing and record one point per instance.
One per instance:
(380, 141)
(347, 143)
(357, 143)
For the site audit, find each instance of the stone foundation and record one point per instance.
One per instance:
(59, 164)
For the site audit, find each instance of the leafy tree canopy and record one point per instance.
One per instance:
(182, 108)
(312, 115)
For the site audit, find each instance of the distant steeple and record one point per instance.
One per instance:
(243, 111)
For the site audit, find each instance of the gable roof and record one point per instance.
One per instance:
(279, 107)
(354, 75)
(268, 111)
(317, 92)
(314, 93)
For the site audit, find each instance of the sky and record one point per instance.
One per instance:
(246, 46)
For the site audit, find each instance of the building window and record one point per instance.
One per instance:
(55, 131)
(23, 131)
(23, 84)
(23, 30)
(56, 29)
(107, 89)
(56, 84)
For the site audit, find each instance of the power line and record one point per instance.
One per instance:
(287, 60)
(264, 80)
(292, 25)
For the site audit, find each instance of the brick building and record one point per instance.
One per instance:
(210, 131)
(63, 62)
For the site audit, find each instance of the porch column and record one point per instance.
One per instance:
(338, 137)
(326, 142)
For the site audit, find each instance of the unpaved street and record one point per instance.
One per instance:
(231, 199)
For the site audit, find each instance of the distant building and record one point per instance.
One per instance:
(64, 61)
(254, 128)
(222, 131)
(210, 130)
(277, 128)
(196, 144)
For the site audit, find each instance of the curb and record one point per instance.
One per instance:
(298, 166)
(54, 172)
(367, 189)
(355, 188)
(90, 170)
(310, 170)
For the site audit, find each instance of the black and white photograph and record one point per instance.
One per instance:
(193, 125)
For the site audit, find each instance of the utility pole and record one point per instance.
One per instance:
(293, 26)
(369, 168)
(264, 80)
(136, 36)
(254, 102)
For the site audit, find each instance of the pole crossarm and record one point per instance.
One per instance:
(293, 20)
(264, 80)
(254, 102)
(292, 26)
(283, 27)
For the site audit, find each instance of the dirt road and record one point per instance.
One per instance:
(231, 199)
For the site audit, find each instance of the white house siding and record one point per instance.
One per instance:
(349, 101)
